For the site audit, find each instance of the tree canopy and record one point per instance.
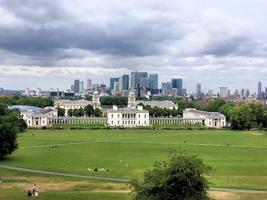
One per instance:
(181, 177)
(10, 124)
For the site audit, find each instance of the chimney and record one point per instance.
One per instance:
(115, 107)
(139, 107)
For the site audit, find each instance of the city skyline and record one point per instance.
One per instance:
(214, 43)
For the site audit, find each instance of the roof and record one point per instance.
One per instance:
(72, 102)
(165, 104)
(201, 112)
(31, 109)
(128, 110)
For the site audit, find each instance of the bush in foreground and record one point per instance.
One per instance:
(181, 177)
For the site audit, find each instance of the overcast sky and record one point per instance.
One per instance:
(48, 44)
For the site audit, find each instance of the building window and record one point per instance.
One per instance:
(145, 115)
(112, 116)
(118, 115)
(139, 122)
(138, 115)
(118, 122)
(111, 121)
(145, 122)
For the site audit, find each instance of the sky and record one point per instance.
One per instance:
(47, 44)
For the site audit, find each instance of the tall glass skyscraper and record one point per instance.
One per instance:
(198, 90)
(125, 82)
(76, 86)
(153, 81)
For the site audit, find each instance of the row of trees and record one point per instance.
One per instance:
(10, 124)
(80, 112)
(30, 101)
(161, 112)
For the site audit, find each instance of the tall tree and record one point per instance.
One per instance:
(89, 110)
(243, 118)
(10, 124)
(181, 177)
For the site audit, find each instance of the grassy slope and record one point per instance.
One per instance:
(128, 153)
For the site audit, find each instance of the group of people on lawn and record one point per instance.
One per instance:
(34, 192)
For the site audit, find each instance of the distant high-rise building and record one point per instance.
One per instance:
(76, 86)
(259, 90)
(38, 92)
(144, 83)
(178, 84)
(243, 92)
(81, 89)
(166, 88)
(27, 92)
(198, 90)
(72, 88)
(88, 84)
(135, 79)
(111, 83)
(223, 91)
(153, 81)
(247, 93)
(125, 82)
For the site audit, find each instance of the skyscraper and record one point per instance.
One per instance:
(81, 88)
(135, 79)
(144, 83)
(178, 84)
(166, 88)
(112, 81)
(89, 83)
(125, 82)
(153, 81)
(223, 91)
(259, 90)
(76, 86)
(198, 90)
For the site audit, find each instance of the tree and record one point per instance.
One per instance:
(78, 112)
(243, 117)
(60, 112)
(98, 112)
(214, 106)
(227, 109)
(181, 177)
(70, 112)
(89, 110)
(10, 124)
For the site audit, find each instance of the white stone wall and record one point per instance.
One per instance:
(116, 119)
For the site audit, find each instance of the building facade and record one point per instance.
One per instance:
(128, 117)
(35, 116)
(209, 119)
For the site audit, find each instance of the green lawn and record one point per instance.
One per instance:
(238, 159)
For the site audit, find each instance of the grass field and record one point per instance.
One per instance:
(238, 159)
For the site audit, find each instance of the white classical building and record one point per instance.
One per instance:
(76, 104)
(132, 102)
(128, 117)
(209, 119)
(35, 116)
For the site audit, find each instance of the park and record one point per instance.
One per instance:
(97, 164)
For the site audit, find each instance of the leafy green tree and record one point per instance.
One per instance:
(227, 109)
(10, 124)
(181, 177)
(70, 112)
(89, 110)
(243, 117)
(258, 112)
(214, 106)
(78, 112)
(60, 112)
(98, 112)
(120, 101)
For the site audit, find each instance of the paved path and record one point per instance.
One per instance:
(64, 174)
(117, 179)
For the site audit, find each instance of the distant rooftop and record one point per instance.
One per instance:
(30, 109)
(209, 114)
